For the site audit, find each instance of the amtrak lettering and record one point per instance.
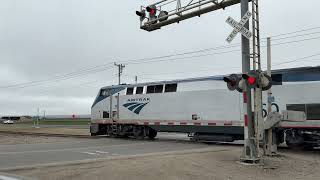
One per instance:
(139, 100)
(136, 104)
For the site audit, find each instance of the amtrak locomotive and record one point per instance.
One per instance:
(205, 108)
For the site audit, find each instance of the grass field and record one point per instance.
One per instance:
(60, 122)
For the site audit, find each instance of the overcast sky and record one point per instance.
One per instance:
(43, 41)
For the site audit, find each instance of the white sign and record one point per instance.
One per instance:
(238, 27)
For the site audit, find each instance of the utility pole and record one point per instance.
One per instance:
(136, 79)
(37, 126)
(44, 114)
(270, 148)
(120, 70)
(269, 71)
(250, 152)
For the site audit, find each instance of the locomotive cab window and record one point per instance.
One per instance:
(171, 88)
(130, 91)
(139, 90)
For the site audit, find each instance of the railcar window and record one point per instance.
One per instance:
(158, 89)
(313, 111)
(139, 90)
(170, 88)
(130, 91)
(150, 89)
(296, 107)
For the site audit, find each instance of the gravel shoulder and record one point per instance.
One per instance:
(218, 165)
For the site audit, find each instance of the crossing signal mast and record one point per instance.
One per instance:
(166, 12)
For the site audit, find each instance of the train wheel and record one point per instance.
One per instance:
(138, 132)
(152, 133)
(294, 139)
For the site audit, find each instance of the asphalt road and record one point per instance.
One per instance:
(81, 149)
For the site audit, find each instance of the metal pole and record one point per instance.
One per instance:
(269, 70)
(111, 108)
(38, 118)
(120, 68)
(271, 146)
(119, 75)
(250, 153)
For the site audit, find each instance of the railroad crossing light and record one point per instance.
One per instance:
(265, 82)
(232, 82)
(251, 79)
(142, 14)
(163, 16)
(152, 10)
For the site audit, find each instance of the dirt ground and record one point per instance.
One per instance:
(220, 165)
(8, 139)
(60, 131)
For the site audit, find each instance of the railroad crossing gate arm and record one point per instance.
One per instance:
(272, 120)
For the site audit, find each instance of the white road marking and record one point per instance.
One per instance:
(70, 149)
(102, 152)
(91, 153)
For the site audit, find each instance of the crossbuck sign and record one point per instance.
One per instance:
(238, 27)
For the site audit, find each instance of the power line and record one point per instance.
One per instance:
(57, 79)
(75, 75)
(299, 35)
(221, 47)
(232, 67)
(298, 59)
(294, 32)
(225, 52)
(99, 68)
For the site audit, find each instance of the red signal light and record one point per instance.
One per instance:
(251, 80)
(152, 10)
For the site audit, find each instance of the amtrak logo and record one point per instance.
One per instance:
(137, 104)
